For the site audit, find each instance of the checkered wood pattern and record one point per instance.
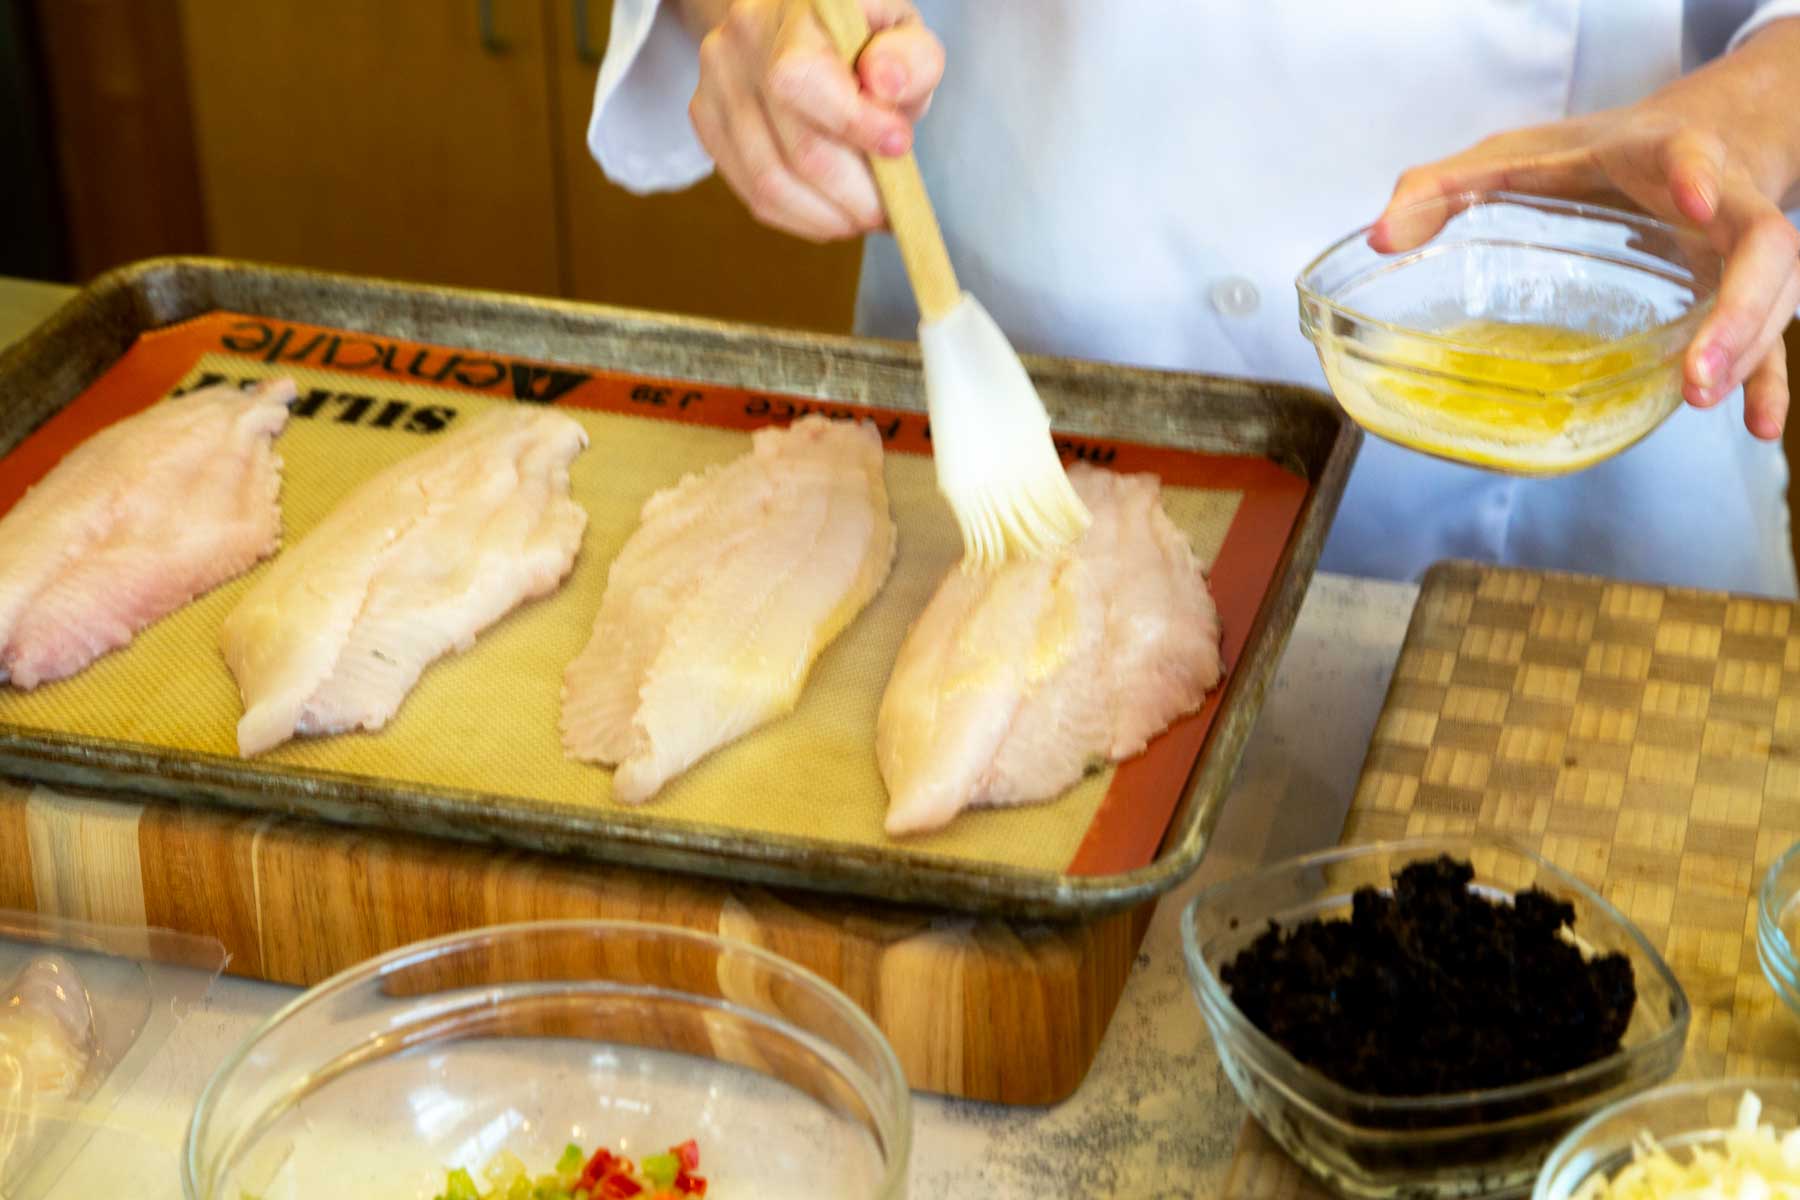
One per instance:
(1646, 739)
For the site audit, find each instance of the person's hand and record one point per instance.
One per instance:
(1708, 152)
(788, 124)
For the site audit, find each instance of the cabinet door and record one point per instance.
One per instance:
(403, 138)
(697, 251)
(124, 148)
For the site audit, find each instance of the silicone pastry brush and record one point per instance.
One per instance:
(997, 465)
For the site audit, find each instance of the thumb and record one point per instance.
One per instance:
(1423, 201)
(902, 64)
(1553, 162)
(1694, 165)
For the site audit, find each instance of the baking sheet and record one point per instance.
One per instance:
(805, 789)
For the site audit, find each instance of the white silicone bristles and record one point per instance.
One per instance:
(997, 464)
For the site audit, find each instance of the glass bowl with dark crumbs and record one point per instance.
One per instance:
(1422, 1020)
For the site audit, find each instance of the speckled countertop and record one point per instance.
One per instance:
(1154, 1120)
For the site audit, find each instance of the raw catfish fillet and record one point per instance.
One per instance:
(1012, 683)
(733, 583)
(408, 567)
(135, 522)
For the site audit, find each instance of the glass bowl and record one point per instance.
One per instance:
(1777, 920)
(526, 1038)
(1528, 336)
(1488, 1142)
(1679, 1116)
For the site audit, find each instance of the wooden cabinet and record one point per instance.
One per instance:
(114, 89)
(379, 138)
(444, 141)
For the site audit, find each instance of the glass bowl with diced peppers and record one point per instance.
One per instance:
(563, 1060)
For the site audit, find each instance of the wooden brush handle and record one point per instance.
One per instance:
(902, 189)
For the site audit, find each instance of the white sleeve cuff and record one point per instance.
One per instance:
(640, 133)
(1767, 11)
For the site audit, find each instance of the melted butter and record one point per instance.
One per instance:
(1512, 354)
(1492, 394)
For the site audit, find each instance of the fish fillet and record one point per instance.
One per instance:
(134, 523)
(733, 583)
(1011, 684)
(410, 566)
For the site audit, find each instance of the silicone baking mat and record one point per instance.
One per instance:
(486, 721)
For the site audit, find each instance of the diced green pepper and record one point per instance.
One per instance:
(461, 1186)
(500, 1172)
(661, 1168)
(571, 1161)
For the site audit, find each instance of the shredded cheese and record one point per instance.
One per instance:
(1754, 1164)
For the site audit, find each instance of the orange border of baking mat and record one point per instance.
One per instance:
(1132, 817)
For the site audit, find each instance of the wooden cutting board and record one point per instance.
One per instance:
(1010, 1012)
(1645, 739)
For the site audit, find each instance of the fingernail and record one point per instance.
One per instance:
(1709, 199)
(892, 144)
(1711, 368)
(890, 79)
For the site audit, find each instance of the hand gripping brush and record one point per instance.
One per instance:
(997, 465)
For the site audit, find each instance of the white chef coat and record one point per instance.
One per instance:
(1139, 181)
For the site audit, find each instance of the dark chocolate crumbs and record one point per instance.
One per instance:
(1435, 988)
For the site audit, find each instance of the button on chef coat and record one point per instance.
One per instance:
(1140, 181)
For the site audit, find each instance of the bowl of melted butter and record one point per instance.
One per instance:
(1527, 335)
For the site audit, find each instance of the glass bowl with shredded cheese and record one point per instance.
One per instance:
(1716, 1139)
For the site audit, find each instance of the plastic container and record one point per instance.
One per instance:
(525, 1038)
(134, 987)
(1529, 336)
(1488, 1142)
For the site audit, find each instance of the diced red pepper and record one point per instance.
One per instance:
(617, 1187)
(689, 1154)
(598, 1167)
(690, 1185)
